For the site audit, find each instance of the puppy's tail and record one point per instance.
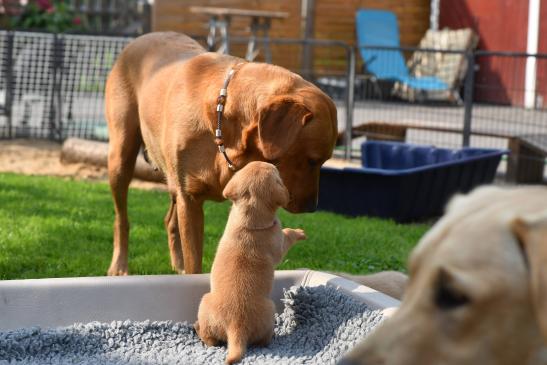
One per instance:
(237, 345)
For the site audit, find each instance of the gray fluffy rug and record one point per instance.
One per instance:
(317, 326)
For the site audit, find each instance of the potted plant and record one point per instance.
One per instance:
(53, 16)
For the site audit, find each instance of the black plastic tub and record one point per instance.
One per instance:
(405, 182)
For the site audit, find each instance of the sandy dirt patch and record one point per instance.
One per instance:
(40, 157)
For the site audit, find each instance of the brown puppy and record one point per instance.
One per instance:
(477, 292)
(163, 91)
(238, 309)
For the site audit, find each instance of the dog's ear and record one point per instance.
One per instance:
(531, 232)
(279, 123)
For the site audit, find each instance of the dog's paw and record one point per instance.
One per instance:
(116, 271)
(177, 263)
(178, 270)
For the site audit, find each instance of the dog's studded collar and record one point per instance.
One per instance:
(221, 101)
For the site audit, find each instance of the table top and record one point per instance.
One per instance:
(238, 12)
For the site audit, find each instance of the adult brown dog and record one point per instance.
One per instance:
(162, 91)
(477, 292)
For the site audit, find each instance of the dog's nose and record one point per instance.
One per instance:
(302, 206)
(311, 205)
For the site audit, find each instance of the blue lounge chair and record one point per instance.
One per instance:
(378, 28)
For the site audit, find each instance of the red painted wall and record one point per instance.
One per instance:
(502, 25)
(541, 82)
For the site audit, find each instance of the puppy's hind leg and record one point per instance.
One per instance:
(205, 336)
(237, 344)
(267, 324)
(208, 334)
(125, 141)
(266, 338)
(173, 236)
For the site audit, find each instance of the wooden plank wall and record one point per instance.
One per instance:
(175, 15)
(333, 19)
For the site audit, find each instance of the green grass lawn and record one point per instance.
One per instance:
(52, 227)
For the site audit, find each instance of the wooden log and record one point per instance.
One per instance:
(76, 150)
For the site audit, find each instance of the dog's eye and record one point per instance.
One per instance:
(448, 297)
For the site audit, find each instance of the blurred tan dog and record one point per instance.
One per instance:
(238, 309)
(477, 292)
(392, 283)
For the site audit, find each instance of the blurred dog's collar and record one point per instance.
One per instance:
(221, 101)
(273, 224)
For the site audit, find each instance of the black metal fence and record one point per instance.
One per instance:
(481, 99)
(51, 86)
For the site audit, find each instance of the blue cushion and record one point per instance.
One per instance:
(424, 83)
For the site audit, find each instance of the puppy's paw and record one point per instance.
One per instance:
(300, 234)
(295, 234)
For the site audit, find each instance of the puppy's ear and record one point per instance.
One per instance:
(531, 233)
(279, 123)
(232, 190)
(281, 194)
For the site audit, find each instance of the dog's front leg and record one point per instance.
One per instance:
(190, 219)
(290, 237)
(173, 236)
